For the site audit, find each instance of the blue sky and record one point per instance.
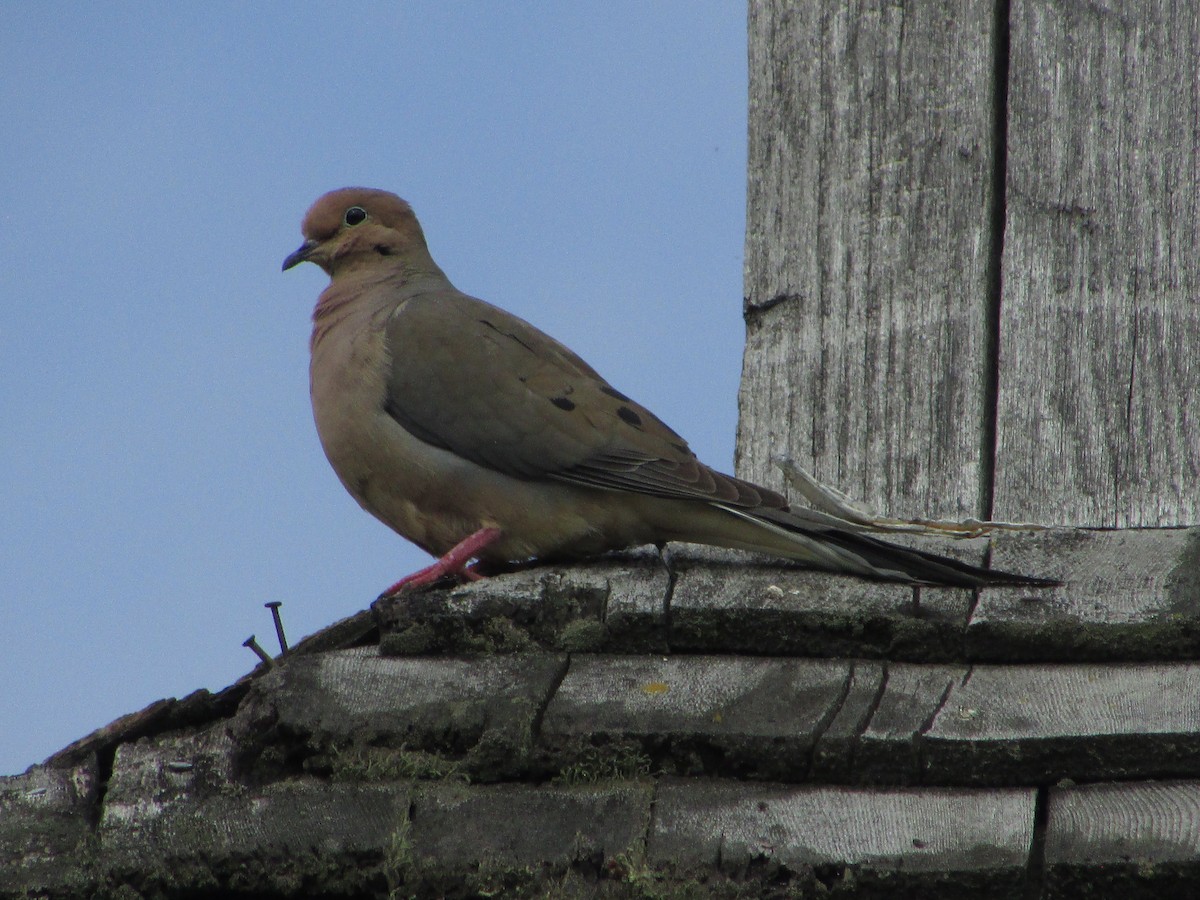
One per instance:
(581, 164)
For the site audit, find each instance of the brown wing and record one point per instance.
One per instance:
(478, 381)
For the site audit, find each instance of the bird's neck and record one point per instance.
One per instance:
(363, 294)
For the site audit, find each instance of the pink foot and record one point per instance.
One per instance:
(455, 562)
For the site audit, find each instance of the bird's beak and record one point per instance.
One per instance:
(302, 253)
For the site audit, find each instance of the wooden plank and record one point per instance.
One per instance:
(46, 831)
(723, 602)
(1135, 839)
(690, 714)
(616, 603)
(1099, 402)
(834, 754)
(195, 839)
(508, 827)
(887, 751)
(483, 707)
(1130, 594)
(1138, 822)
(902, 833)
(1038, 724)
(868, 249)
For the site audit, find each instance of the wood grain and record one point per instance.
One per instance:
(1112, 824)
(1038, 724)
(909, 830)
(1099, 402)
(868, 248)
(1128, 594)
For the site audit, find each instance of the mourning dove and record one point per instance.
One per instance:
(478, 437)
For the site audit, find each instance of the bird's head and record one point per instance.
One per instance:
(352, 226)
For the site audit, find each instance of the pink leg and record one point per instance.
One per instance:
(453, 563)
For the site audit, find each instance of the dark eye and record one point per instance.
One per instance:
(354, 215)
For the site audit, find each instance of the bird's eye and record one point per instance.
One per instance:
(354, 215)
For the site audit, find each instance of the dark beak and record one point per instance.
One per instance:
(300, 255)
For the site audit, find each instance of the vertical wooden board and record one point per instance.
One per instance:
(868, 248)
(1099, 399)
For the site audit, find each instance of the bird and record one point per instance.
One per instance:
(489, 444)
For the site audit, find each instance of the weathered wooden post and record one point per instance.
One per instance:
(971, 257)
(973, 289)
(1099, 377)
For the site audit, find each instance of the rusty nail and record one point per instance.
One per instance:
(262, 654)
(273, 606)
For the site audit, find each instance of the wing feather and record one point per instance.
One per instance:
(471, 378)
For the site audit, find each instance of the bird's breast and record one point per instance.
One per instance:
(382, 466)
(428, 494)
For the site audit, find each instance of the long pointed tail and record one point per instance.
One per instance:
(824, 544)
(923, 567)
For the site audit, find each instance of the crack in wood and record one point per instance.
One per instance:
(535, 724)
(918, 738)
(672, 577)
(827, 720)
(998, 215)
(651, 812)
(1035, 869)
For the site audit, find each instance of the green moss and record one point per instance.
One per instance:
(583, 636)
(365, 763)
(503, 754)
(412, 641)
(494, 878)
(398, 858)
(629, 877)
(604, 764)
(500, 635)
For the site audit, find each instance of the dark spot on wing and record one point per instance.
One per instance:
(613, 392)
(630, 416)
(562, 403)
